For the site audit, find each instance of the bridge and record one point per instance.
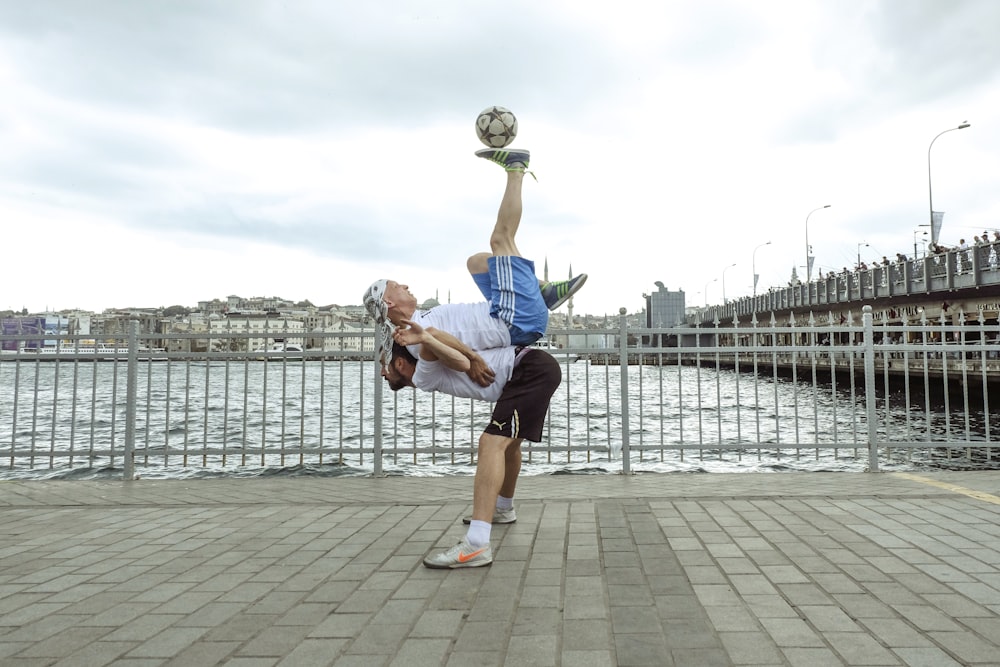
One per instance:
(958, 285)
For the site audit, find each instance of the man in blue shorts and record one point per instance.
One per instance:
(516, 310)
(514, 316)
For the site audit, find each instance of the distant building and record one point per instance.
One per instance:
(664, 308)
(271, 329)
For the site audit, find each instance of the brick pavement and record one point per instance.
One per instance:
(670, 569)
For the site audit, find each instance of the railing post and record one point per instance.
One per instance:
(869, 341)
(131, 383)
(377, 446)
(623, 367)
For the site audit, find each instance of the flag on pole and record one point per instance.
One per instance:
(936, 218)
(755, 277)
(809, 269)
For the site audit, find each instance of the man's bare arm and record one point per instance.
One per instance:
(479, 370)
(431, 348)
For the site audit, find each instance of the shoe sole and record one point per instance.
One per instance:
(484, 153)
(457, 566)
(573, 290)
(467, 520)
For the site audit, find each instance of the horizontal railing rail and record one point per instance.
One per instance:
(632, 399)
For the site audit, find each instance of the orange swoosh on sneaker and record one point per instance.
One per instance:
(464, 558)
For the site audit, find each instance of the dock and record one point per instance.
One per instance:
(892, 568)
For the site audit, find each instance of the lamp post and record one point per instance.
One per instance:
(858, 265)
(753, 261)
(713, 280)
(724, 302)
(930, 192)
(808, 248)
(915, 232)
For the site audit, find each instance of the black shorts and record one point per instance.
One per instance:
(520, 412)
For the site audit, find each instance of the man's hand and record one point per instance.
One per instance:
(433, 349)
(480, 372)
(413, 334)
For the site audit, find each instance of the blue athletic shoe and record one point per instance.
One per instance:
(511, 160)
(558, 292)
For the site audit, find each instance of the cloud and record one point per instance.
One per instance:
(318, 139)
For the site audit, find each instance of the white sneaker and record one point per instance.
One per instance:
(499, 516)
(462, 554)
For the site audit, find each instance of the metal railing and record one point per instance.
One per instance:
(851, 396)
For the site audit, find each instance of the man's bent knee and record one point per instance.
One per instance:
(498, 443)
(479, 263)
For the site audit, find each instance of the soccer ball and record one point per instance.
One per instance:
(496, 127)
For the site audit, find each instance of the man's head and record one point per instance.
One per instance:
(399, 371)
(388, 302)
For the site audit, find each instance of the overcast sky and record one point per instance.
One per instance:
(162, 153)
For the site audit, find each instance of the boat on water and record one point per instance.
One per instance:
(80, 348)
(281, 351)
(86, 348)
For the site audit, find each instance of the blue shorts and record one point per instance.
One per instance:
(512, 290)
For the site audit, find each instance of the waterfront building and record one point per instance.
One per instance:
(271, 328)
(664, 308)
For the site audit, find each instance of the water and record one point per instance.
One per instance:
(249, 418)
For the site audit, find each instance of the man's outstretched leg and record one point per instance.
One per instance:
(508, 217)
(515, 162)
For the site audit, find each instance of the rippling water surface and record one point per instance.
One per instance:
(68, 420)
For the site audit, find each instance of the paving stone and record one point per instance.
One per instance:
(926, 657)
(858, 648)
(967, 647)
(642, 649)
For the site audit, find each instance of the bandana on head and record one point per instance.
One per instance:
(379, 311)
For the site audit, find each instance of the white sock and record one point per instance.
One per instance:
(479, 533)
(505, 503)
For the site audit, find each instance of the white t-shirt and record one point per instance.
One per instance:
(470, 323)
(435, 376)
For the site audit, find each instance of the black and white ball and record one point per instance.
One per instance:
(496, 127)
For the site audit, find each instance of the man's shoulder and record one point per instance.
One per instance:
(448, 310)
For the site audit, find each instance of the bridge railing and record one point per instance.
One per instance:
(944, 272)
(851, 396)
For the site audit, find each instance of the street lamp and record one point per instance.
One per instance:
(724, 302)
(915, 232)
(713, 280)
(858, 265)
(930, 195)
(754, 262)
(808, 248)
